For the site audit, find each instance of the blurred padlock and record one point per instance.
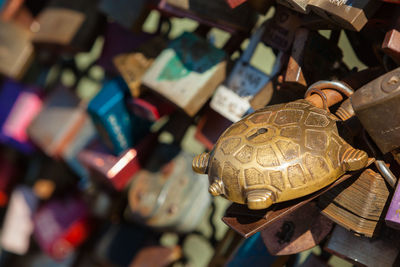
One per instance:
(68, 26)
(280, 29)
(133, 66)
(118, 40)
(9, 8)
(18, 223)
(113, 171)
(297, 5)
(210, 126)
(215, 13)
(363, 251)
(18, 12)
(187, 72)
(173, 198)
(118, 129)
(357, 205)
(391, 42)
(16, 50)
(352, 15)
(61, 225)
(244, 84)
(150, 106)
(391, 45)
(310, 47)
(62, 128)
(130, 14)
(15, 100)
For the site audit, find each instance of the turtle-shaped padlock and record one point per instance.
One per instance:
(278, 153)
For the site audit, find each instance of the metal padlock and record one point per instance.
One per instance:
(361, 216)
(233, 98)
(363, 251)
(16, 50)
(269, 154)
(352, 15)
(371, 103)
(187, 72)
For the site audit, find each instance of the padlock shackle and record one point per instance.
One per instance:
(254, 41)
(324, 94)
(333, 97)
(336, 85)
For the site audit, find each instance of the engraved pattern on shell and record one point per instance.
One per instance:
(290, 150)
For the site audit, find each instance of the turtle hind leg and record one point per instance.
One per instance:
(259, 199)
(354, 159)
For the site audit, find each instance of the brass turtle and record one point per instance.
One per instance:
(278, 153)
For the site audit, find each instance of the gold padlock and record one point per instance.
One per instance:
(278, 153)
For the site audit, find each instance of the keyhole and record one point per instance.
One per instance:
(262, 130)
(259, 131)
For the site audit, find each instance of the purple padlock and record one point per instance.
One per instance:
(392, 217)
(61, 225)
(118, 40)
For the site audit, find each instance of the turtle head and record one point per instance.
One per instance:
(354, 159)
(200, 163)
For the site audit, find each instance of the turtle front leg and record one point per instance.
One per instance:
(259, 199)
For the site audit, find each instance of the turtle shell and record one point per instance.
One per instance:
(289, 149)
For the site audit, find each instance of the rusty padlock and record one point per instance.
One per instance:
(358, 203)
(352, 15)
(371, 103)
